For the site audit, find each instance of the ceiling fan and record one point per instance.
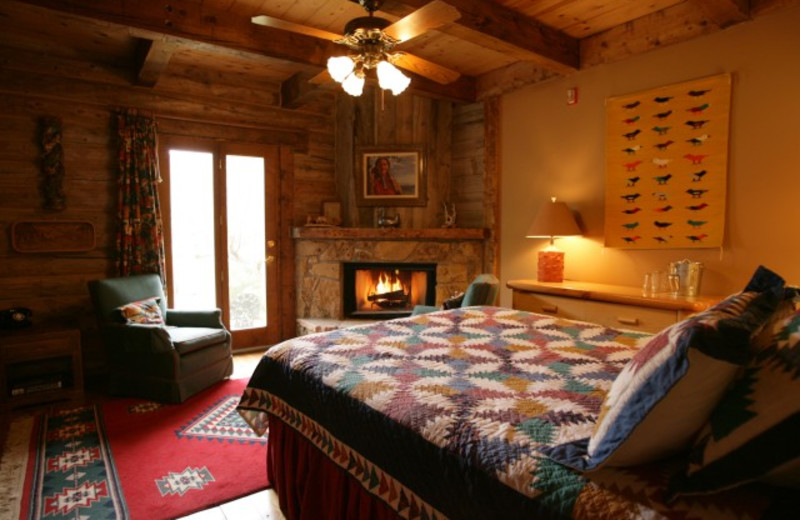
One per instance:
(372, 40)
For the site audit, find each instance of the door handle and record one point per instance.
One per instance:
(270, 259)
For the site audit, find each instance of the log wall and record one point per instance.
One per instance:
(42, 75)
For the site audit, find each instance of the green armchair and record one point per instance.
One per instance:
(166, 362)
(482, 291)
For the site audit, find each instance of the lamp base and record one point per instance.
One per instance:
(551, 266)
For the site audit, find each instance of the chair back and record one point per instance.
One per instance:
(109, 294)
(482, 291)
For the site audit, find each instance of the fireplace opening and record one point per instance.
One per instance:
(386, 290)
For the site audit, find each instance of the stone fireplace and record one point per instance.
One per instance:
(458, 255)
(383, 290)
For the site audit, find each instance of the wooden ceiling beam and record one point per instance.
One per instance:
(497, 27)
(186, 19)
(154, 56)
(724, 13)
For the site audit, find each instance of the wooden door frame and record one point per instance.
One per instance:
(276, 160)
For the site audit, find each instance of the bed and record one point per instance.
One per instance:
(466, 413)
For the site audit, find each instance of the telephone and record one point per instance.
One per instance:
(16, 318)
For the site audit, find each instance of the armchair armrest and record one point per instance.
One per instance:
(138, 337)
(205, 318)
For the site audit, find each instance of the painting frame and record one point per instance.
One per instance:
(407, 181)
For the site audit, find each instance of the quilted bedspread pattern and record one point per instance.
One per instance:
(472, 393)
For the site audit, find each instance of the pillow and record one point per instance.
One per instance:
(454, 302)
(752, 433)
(142, 311)
(667, 391)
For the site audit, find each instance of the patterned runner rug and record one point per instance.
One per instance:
(135, 459)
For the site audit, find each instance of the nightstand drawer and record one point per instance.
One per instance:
(629, 316)
(561, 307)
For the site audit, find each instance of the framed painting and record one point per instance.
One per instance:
(390, 177)
(666, 166)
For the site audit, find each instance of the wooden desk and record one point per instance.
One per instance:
(610, 305)
(39, 365)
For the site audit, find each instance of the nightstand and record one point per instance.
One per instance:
(610, 305)
(40, 364)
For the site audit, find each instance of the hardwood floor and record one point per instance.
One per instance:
(258, 506)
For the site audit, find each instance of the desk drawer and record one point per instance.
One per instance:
(628, 316)
(559, 306)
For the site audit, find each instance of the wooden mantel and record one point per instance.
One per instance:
(343, 233)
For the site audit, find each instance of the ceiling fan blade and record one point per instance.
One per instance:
(277, 23)
(430, 16)
(426, 68)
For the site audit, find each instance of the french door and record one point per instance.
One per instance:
(219, 203)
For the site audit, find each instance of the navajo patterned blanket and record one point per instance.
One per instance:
(443, 415)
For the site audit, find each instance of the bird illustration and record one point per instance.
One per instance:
(660, 224)
(697, 93)
(662, 99)
(663, 146)
(663, 179)
(632, 211)
(663, 115)
(697, 238)
(660, 195)
(663, 209)
(696, 194)
(697, 207)
(631, 166)
(661, 162)
(697, 141)
(631, 150)
(631, 240)
(631, 120)
(694, 158)
(630, 136)
(630, 106)
(662, 240)
(661, 130)
(630, 225)
(632, 181)
(696, 223)
(698, 109)
(697, 124)
(698, 176)
(632, 197)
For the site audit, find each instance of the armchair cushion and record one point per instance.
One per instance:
(189, 339)
(142, 311)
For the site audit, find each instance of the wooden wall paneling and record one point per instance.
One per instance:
(491, 186)
(287, 268)
(344, 157)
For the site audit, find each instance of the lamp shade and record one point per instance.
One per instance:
(553, 220)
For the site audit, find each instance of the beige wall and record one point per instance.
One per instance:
(549, 148)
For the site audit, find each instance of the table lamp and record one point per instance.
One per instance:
(554, 220)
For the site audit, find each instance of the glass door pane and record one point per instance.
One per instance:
(247, 273)
(192, 226)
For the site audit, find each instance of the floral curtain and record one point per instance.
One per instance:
(140, 232)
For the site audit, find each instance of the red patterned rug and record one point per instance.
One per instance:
(134, 459)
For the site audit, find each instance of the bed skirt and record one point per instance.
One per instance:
(310, 486)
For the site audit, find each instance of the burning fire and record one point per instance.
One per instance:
(388, 284)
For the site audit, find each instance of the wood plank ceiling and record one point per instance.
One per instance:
(495, 46)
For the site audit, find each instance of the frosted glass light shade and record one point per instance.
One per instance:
(339, 67)
(353, 84)
(390, 77)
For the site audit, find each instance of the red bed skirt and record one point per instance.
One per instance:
(312, 487)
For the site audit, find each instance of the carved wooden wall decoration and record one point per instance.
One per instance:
(52, 236)
(52, 164)
(667, 166)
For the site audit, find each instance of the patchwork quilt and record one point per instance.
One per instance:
(445, 415)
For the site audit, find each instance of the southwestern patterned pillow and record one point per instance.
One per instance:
(142, 311)
(752, 433)
(667, 391)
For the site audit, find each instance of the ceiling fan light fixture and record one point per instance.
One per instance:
(353, 84)
(390, 78)
(339, 67)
